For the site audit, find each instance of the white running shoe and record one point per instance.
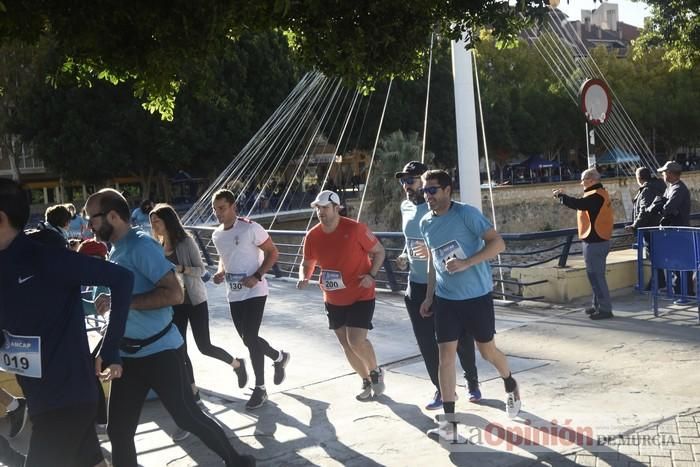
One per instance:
(513, 402)
(446, 431)
(366, 392)
(377, 379)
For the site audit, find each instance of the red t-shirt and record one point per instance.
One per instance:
(343, 258)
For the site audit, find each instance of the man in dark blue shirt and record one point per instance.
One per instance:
(43, 338)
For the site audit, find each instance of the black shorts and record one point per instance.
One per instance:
(356, 315)
(65, 437)
(474, 316)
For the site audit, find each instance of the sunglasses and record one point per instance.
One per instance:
(407, 180)
(431, 190)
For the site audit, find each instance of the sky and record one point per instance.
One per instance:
(630, 12)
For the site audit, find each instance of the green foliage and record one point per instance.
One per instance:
(91, 133)
(153, 45)
(393, 152)
(525, 111)
(674, 26)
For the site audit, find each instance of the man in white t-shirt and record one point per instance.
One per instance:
(246, 252)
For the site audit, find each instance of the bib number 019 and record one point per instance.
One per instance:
(18, 363)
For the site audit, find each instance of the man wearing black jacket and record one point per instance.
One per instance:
(595, 227)
(43, 336)
(674, 209)
(650, 188)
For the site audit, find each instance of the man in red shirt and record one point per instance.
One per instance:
(349, 256)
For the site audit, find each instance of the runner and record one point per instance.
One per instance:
(246, 253)
(460, 242)
(343, 248)
(151, 347)
(181, 250)
(413, 208)
(44, 339)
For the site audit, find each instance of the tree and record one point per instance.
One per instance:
(393, 152)
(92, 133)
(20, 68)
(674, 25)
(151, 45)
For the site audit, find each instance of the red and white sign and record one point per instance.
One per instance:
(596, 102)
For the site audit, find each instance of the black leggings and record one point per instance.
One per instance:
(198, 317)
(247, 316)
(165, 373)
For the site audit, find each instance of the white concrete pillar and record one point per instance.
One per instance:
(465, 116)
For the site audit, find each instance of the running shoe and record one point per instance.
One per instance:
(590, 310)
(241, 373)
(179, 435)
(280, 374)
(17, 417)
(598, 315)
(366, 392)
(435, 403)
(513, 402)
(473, 391)
(257, 399)
(445, 431)
(377, 378)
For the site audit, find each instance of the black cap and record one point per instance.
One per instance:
(671, 166)
(414, 168)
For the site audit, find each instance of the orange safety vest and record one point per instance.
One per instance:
(604, 220)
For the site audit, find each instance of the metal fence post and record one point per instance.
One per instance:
(565, 251)
(390, 276)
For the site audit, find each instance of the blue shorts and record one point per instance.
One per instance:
(455, 318)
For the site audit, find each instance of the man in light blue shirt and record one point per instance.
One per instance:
(460, 243)
(415, 255)
(151, 347)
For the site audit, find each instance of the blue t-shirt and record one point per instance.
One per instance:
(458, 234)
(139, 217)
(411, 214)
(143, 256)
(77, 225)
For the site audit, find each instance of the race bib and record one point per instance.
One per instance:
(331, 280)
(413, 243)
(446, 252)
(234, 282)
(21, 355)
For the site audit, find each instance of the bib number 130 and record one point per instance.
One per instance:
(21, 355)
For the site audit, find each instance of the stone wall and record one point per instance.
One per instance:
(531, 208)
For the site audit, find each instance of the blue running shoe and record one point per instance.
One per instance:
(436, 403)
(473, 391)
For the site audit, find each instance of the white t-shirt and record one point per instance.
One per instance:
(239, 250)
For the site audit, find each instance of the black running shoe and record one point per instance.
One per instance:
(241, 373)
(18, 418)
(280, 374)
(257, 399)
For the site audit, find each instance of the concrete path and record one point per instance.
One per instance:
(617, 392)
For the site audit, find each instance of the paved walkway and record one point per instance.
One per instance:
(618, 392)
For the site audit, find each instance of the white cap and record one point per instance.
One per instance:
(325, 198)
